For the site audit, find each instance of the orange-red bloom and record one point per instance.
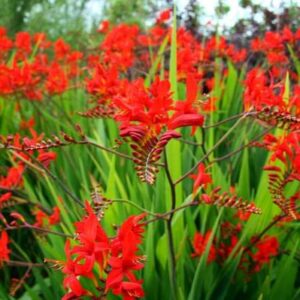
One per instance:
(200, 244)
(4, 250)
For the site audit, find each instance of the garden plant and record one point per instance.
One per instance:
(151, 164)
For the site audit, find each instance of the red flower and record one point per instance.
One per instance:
(40, 40)
(151, 107)
(266, 248)
(103, 26)
(94, 244)
(13, 178)
(225, 249)
(118, 46)
(4, 251)
(242, 215)
(71, 280)
(125, 260)
(23, 41)
(43, 220)
(103, 84)
(200, 244)
(46, 157)
(55, 217)
(24, 124)
(287, 35)
(164, 15)
(201, 178)
(93, 249)
(61, 49)
(5, 43)
(147, 107)
(130, 290)
(185, 112)
(57, 81)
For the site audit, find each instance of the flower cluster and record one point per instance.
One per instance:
(219, 249)
(31, 73)
(109, 262)
(273, 45)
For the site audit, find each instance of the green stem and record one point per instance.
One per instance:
(172, 255)
(221, 140)
(14, 263)
(135, 205)
(217, 159)
(173, 211)
(39, 229)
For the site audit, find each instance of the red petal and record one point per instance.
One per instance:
(187, 120)
(192, 88)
